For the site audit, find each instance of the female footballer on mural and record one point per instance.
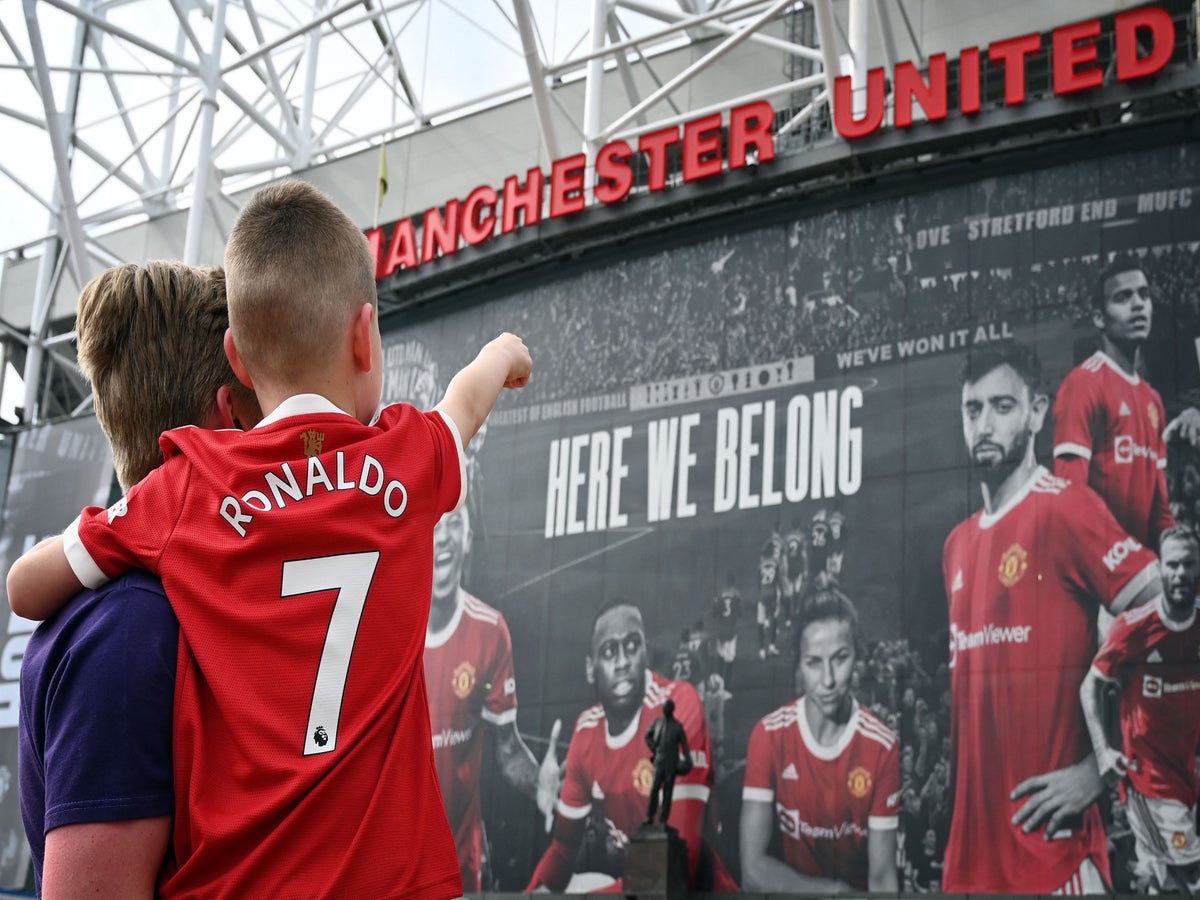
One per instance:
(823, 771)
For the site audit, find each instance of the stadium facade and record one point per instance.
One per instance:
(748, 390)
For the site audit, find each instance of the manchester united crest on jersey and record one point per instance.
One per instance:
(313, 441)
(1152, 412)
(463, 680)
(643, 776)
(1179, 840)
(1013, 564)
(859, 782)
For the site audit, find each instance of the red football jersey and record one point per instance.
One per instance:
(1157, 662)
(1024, 585)
(826, 798)
(1115, 421)
(298, 557)
(469, 673)
(615, 771)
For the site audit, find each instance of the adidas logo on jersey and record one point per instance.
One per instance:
(790, 774)
(958, 582)
(1154, 657)
(1125, 410)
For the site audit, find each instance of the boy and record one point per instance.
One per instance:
(299, 560)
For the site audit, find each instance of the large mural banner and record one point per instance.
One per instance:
(55, 467)
(877, 496)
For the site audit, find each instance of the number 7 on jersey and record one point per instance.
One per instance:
(350, 574)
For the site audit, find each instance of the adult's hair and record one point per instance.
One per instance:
(150, 342)
(985, 358)
(1119, 264)
(1183, 533)
(298, 269)
(825, 604)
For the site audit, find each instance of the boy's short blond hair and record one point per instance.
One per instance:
(298, 269)
(151, 343)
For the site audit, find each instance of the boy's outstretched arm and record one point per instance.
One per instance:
(503, 363)
(42, 581)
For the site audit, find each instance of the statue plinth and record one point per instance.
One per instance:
(656, 864)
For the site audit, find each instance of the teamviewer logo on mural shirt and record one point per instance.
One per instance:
(1126, 451)
(1151, 686)
(789, 821)
(989, 635)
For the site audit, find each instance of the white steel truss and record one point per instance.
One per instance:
(134, 108)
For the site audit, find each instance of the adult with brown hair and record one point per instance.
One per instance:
(97, 679)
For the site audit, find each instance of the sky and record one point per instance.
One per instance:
(451, 50)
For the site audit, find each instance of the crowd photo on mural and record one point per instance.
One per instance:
(894, 502)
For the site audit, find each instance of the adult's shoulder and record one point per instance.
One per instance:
(484, 613)
(960, 531)
(871, 727)
(591, 721)
(1087, 374)
(1067, 500)
(779, 720)
(131, 610)
(661, 689)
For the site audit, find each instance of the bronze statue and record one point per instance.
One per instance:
(663, 737)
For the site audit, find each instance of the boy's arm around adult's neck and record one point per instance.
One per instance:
(42, 581)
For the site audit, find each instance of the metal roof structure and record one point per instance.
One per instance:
(119, 111)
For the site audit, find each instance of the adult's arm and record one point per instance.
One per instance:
(881, 860)
(520, 768)
(763, 872)
(119, 860)
(1110, 761)
(1077, 421)
(554, 870)
(514, 759)
(1072, 467)
(1161, 517)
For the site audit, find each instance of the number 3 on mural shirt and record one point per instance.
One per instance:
(350, 574)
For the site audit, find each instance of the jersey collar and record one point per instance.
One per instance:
(437, 638)
(301, 405)
(1168, 623)
(617, 741)
(988, 519)
(810, 742)
(1112, 364)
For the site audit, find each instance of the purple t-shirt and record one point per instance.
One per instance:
(97, 694)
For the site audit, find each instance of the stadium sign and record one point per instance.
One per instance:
(474, 219)
(1144, 40)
